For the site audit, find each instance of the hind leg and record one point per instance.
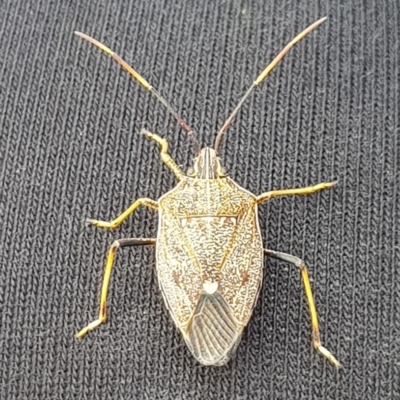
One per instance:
(107, 273)
(310, 299)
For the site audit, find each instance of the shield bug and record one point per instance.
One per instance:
(209, 252)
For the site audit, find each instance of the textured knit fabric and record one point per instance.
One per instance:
(70, 149)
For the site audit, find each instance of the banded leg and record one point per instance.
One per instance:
(299, 191)
(165, 157)
(310, 299)
(109, 264)
(118, 221)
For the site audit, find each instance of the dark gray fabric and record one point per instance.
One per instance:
(70, 149)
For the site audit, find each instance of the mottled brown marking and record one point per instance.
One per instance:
(176, 278)
(245, 277)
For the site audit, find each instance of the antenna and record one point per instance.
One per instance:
(262, 76)
(145, 84)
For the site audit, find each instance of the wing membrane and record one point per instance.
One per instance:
(213, 333)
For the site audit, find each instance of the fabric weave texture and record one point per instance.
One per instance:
(70, 150)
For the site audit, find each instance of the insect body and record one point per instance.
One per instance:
(209, 260)
(209, 250)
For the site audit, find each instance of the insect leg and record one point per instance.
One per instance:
(118, 221)
(290, 192)
(165, 157)
(310, 299)
(109, 264)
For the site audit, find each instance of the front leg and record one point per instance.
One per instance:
(118, 221)
(165, 157)
(297, 262)
(290, 192)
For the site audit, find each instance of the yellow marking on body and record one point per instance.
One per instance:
(184, 241)
(222, 216)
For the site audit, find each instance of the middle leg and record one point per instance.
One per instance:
(290, 192)
(121, 218)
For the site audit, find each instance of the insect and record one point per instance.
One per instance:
(209, 251)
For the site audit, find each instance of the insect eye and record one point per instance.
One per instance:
(190, 171)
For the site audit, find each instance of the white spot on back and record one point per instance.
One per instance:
(210, 287)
